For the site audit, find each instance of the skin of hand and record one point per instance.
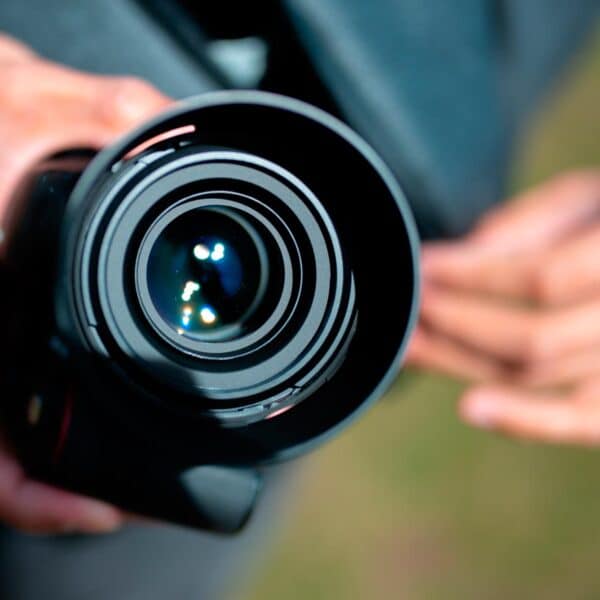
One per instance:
(515, 307)
(46, 108)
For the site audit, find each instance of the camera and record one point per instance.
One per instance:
(225, 287)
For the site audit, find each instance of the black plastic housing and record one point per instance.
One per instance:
(106, 405)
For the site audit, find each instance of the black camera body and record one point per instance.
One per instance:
(225, 287)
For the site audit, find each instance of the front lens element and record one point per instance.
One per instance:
(207, 273)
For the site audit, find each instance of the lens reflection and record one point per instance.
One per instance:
(205, 273)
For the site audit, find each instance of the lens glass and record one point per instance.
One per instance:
(207, 273)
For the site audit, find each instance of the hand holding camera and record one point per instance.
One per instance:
(211, 294)
(45, 108)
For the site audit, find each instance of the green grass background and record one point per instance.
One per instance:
(411, 504)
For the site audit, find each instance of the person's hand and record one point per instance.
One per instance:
(46, 108)
(515, 305)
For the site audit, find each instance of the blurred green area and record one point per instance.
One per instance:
(411, 504)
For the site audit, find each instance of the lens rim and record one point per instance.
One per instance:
(86, 327)
(319, 288)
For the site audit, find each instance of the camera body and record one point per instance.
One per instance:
(225, 287)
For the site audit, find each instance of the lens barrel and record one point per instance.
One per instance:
(277, 279)
(244, 262)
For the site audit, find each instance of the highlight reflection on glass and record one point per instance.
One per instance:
(208, 316)
(201, 252)
(204, 272)
(218, 252)
(187, 316)
(189, 289)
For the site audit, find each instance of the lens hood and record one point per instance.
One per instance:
(341, 295)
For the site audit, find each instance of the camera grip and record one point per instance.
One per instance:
(63, 441)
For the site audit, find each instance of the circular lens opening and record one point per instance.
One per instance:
(207, 273)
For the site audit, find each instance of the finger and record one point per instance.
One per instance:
(476, 267)
(11, 50)
(498, 330)
(433, 352)
(567, 370)
(543, 214)
(546, 418)
(44, 79)
(124, 102)
(74, 97)
(486, 259)
(115, 105)
(511, 332)
(118, 105)
(571, 272)
(15, 166)
(588, 391)
(39, 508)
(568, 273)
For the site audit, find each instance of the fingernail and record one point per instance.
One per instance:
(478, 411)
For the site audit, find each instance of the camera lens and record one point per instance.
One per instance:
(214, 263)
(207, 273)
(225, 280)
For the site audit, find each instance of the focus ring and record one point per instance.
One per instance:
(311, 293)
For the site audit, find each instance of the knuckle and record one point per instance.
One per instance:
(128, 98)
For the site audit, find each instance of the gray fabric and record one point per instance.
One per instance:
(440, 88)
(104, 36)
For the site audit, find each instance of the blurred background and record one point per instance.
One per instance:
(411, 504)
